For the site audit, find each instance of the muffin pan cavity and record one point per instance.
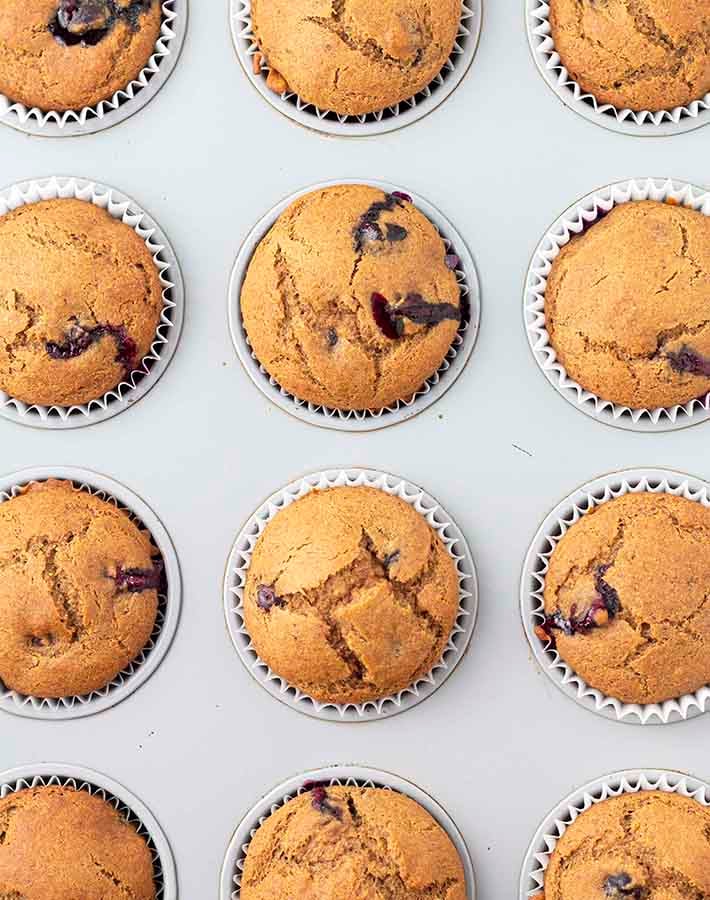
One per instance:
(169, 598)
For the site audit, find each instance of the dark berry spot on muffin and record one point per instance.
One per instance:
(365, 233)
(40, 642)
(332, 337)
(452, 261)
(620, 886)
(320, 802)
(135, 581)
(396, 233)
(266, 598)
(415, 308)
(688, 360)
(367, 229)
(391, 559)
(87, 22)
(400, 195)
(598, 614)
(79, 339)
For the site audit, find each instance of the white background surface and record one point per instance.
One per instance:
(498, 745)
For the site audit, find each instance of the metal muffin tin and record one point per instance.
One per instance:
(201, 740)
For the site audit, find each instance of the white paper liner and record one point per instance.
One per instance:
(563, 517)
(438, 519)
(401, 410)
(572, 222)
(626, 121)
(348, 776)
(382, 121)
(131, 809)
(631, 781)
(150, 657)
(124, 103)
(153, 365)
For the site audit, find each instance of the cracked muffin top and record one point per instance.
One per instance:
(68, 54)
(351, 301)
(80, 302)
(350, 595)
(80, 591)
(627, 597)
(64, 843)
(635, 54)
(620, 849)
(355, 56)
(626, 305)
(359, 843)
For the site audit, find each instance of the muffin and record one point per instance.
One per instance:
(80, 591)
(357, 57)
(359, 843)
(80, 302)
(626, 305)
(626, 597)
(651, 55)
(351, 301)
(62, 843)
(68, 54)
(650, 845)
(350, 595)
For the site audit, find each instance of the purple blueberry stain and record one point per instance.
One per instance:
(598, 614)
(620, 886)
(452, 261)
(135, 581)
(369, 231)
(78, 339)
(389, 326)
(400, 195)
(389, 317)
(266, 598)
(87, 22)
(396, 233)
(391, 559)
(331, 337)
(688, 361)
(320, 801)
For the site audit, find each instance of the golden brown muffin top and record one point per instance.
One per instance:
(79, 597)
(626, 597)
(68, 54)
(350, 595)
(349, 301)
(635, 54)
(80, 302)
(355, 843)
(626, 305)
(354, 56)
(62, 843)
(652, 845)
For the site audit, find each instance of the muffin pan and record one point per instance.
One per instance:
(142, 667)
(350, 776)
(124, 103)
(362, 420)
(404, 113)
(202, 739)
(438, 519)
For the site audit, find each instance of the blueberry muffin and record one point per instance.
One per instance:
(80, 591)
(645, 54)
(351, 301)
(626, 597)
(626, 305)
(350, 595)
(62, 843)
(68, 54)
(356, 57)
(359, 843)
(80, 302)
(620, 849)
